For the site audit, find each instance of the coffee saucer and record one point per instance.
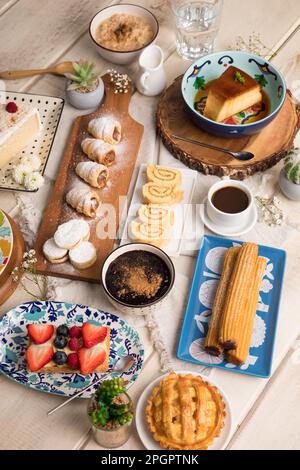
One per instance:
(228, 231)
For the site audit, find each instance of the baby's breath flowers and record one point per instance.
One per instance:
(19, 172)
(269, 211)
(33, 181)
(26, 273)
(121, 81)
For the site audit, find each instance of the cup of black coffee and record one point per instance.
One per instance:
(229, 203)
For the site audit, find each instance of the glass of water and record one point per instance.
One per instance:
(197, 26)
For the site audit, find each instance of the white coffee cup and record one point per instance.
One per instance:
(151, 78)
(226, 219)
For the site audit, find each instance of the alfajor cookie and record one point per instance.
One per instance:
(54, 253)
(83, 256)
(69, 234)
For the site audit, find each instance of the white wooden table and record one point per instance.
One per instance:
(38, 33)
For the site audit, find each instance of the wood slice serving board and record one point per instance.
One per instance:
(269, 146)
(7, 284)
(105, 225)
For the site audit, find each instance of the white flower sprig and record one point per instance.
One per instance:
(26, 273)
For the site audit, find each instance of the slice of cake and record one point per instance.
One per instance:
(230, 94)
(19, 125)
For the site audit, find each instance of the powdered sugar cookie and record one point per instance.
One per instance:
(54, 253)
(69, 234)
(83, 256)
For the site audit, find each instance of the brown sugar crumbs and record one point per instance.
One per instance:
(137, 277)
(140, 281)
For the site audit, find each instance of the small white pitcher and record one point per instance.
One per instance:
(151, 77)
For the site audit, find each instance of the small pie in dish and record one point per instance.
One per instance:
(185, 413)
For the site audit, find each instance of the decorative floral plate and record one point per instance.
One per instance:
(198, 312)
(6, 241)
(13, 342)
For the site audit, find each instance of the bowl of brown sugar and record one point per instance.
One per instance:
(137, 277)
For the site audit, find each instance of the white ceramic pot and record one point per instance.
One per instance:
(223, 218)
(89, 100)
(120, 57)
(136, 309)
(290, 190)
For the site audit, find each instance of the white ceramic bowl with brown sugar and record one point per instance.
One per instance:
(158, 259)
(109, 33)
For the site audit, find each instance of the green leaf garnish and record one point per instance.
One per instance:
(261, 80)
(199, 83)
(239, 78)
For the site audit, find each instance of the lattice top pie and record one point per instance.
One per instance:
(184, 412)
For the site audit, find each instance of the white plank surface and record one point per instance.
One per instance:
(274, 422)
(57, 30)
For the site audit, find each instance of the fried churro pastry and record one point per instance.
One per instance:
(240, 354)
(238, 296)
(212, 344)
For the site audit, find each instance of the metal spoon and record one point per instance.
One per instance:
(122, 364)
(242, 156)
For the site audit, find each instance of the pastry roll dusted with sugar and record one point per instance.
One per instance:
(84, 201)
(94, 174)
(107, 129)
(99, 151)
(159, 174)
(156, 193)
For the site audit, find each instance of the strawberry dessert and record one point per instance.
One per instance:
(84, 349)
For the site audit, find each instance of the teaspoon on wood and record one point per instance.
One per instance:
(242, 155)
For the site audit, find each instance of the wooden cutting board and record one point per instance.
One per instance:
(269, 146)
(104, 227)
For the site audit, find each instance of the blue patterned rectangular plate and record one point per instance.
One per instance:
(124, 340)
(198, 312)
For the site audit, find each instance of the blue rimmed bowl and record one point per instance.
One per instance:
(209, 68)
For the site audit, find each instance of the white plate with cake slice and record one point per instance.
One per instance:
(28, 124)
(159, 208)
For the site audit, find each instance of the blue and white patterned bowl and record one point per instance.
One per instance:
(211, 67)
(124, 340)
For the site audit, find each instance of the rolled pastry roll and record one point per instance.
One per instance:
(107, 129)
(240, 354)
(159, 214)
(99, 151)
(212, 345)
(166, 176)
(154, 193)
(148, 233)
(83, 201)
(94, 174)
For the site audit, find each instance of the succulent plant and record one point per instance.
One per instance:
(84, 76)
(108, 410)
(292, 166)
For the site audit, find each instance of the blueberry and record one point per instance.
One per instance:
(60, 358)
(60, 342)
(62, 330)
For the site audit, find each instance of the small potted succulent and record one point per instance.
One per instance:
(289, 179)
(84, 89)
(110, 411)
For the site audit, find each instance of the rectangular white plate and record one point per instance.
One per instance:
(50, 109)
(174, 246)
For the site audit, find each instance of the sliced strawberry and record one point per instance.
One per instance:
(90, 359)
(38, 355)
(40, 333)
(93, 334)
